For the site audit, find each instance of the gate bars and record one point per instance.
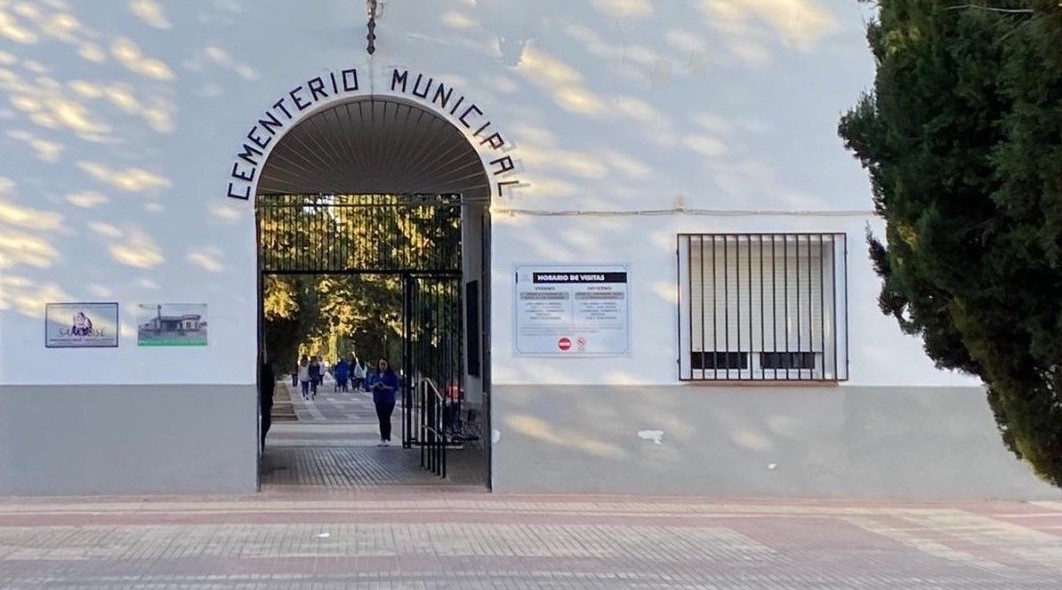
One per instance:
(324, 234)
(435, 351)
(415, 237)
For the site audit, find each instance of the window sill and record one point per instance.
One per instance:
(762, 382)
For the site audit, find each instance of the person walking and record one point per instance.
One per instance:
(358, 371)
(384, 386)
(304, 376)
(315, 376)
(341, 372)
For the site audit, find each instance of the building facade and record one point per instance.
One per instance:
(678, 297)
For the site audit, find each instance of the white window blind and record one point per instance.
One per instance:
(762, 306)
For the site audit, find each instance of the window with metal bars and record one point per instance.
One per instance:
(763, 307)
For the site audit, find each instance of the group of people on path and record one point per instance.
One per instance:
(310, 373)
(383, 383)
(349, 374)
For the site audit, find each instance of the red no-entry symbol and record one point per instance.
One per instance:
(564, 343)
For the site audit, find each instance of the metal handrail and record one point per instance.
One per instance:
(433, 451)
(434, 387)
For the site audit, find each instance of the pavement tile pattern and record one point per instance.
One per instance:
(333, 446)
(330, 406)
(398, 538)
(336, 511)
(354, 467)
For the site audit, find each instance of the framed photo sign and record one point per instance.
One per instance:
(81, 325)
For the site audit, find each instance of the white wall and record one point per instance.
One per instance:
(912, 443)
(121, 119)
(879, 353)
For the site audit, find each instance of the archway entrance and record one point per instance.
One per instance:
(372, 236)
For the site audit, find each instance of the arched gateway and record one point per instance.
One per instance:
(406, 114)
(325, 195)
(375, 145)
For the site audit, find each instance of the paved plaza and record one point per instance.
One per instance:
(336, 511)
(402, 537)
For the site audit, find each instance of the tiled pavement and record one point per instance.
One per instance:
(332, 446)
(332, 419)
(332, 468)
(398, 538)
(352, 407)
(321, 525)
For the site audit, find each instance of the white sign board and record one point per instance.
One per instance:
(572, 311)
(81, 325)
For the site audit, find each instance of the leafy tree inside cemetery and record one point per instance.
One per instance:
(339, 314)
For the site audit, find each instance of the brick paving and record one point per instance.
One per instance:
(330, 407)
(337, 512)
(333, 446)
(335, 468)
(436, 538)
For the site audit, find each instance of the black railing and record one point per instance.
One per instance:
(763, 307)
(431, 430)
(407, 250)
(435, 353)
(329, 233)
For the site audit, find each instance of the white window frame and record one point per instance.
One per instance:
(820, 257)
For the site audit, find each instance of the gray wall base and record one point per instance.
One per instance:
(128, 439)
(867, 442)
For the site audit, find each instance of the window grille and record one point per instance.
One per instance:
(763, 307)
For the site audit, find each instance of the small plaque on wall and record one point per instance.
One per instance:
(81, 325)
(171, 324)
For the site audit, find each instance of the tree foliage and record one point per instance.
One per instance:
(962, 137)
(331, 285)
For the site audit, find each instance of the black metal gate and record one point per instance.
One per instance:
(407, 249)
(434, 346)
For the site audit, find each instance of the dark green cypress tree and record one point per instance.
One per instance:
(962, 136)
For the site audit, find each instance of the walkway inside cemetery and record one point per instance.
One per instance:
(331, 442)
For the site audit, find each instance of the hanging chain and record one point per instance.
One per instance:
(370, 5)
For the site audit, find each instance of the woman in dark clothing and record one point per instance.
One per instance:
(315, 376)
(384, 385)
(341, 372)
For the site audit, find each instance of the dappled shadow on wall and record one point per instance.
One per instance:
(85, 98)
(610, 73)
(613, 93)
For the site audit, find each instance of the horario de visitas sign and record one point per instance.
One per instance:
(436, 95)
